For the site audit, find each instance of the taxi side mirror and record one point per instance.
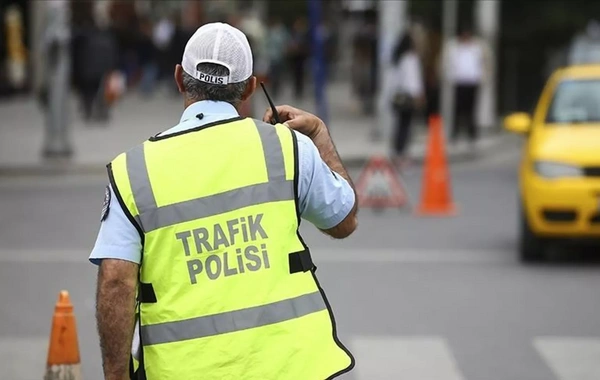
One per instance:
(519, 122)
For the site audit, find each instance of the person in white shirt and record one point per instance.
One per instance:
(408, 94)
(466, 59)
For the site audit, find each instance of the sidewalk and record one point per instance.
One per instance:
(135, 119)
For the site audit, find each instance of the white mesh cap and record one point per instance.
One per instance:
(221, 44)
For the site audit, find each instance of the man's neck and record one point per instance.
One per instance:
(188, 102)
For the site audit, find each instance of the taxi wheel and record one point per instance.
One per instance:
(531, 247)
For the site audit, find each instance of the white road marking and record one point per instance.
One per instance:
(571, 358)
(415, 358)
(320, 255)
(409, 256)
(53, 182)
(377, 357)
(23, 358)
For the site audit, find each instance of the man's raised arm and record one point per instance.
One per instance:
(313, 127)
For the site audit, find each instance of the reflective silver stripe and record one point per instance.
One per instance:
(217, 204)
(138, 220)
(152, 217)
(232, 321)
(273, 151)
(139, 181)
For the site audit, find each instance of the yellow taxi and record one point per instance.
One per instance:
(559, 175)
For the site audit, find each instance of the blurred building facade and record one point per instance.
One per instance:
(531, 39)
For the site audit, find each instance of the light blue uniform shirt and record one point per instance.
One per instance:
(325, 199)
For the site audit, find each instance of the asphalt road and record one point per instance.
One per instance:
(415, 298)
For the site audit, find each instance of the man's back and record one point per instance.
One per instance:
(231, 231)
(202, 220)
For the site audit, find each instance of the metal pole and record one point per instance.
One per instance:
(57, 53)
(392, 21)
(319, 65)
(38, 9)
(487, 17)
(449, 26)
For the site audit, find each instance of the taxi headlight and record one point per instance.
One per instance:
(549, 169)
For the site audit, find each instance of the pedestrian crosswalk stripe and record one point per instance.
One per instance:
(23, 358)
(418, 358)
(377, 357)
(571, 358)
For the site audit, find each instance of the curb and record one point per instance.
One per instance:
(500, 142)
(58, 168)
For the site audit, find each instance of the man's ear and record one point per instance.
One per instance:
(179, 78)
(250, 88)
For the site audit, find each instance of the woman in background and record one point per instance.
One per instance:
(408, 95)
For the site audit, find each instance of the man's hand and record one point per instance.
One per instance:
(115, 312)
(313, 127)
(297, 119)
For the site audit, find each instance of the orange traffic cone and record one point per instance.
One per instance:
(436, 198)
(63, 351)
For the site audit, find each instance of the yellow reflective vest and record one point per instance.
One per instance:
(227, 286)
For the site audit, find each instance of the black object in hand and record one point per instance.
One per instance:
(275, 113)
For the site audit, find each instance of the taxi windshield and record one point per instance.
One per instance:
(575, 101)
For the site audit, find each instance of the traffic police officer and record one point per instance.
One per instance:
(200, 226)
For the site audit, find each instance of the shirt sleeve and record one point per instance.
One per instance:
(325, 198)
(408, 75)
(415, 76)
(118, 238)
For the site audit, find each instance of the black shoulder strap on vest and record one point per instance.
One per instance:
(140, 374)
(301, 261)
(132, 372)
(146, 293)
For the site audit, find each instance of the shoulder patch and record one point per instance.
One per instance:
(106, 204)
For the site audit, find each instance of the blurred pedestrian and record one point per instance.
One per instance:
(432, 66)
(95, 57)
(330, 40)
(201, 221)
(256, 31)
(364, 65)
(278, 39)
(16, 52)
(185, 27)
(299, 53)
(163, 34)
(466, 65)
(125, 28)
(408, 94)
(148, 57)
